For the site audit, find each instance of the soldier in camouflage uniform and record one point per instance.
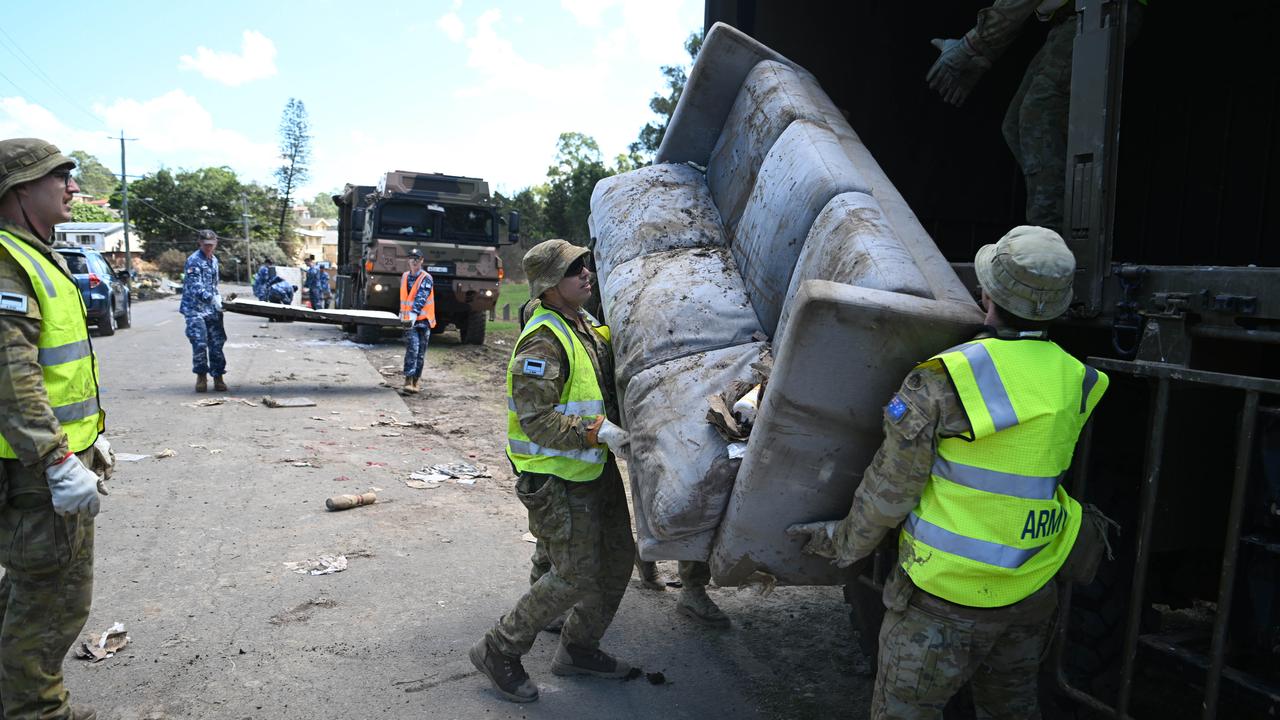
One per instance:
(1035, 125)
(260, 282)
(48, 495)
(202, 307)
(929, 646)
(583, 522)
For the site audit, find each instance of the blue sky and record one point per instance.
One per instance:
(474, 87)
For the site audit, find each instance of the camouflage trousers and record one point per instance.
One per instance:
(207, 337)
(1035, 127)
(585, 530)
(45, 594)
(692, 573)
(932, 647)
(415, 349)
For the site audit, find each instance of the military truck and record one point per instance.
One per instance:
(455, 224)
(1173, 217)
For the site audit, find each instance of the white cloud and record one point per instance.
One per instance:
(589, 13)
(452, 26)
(257, 60)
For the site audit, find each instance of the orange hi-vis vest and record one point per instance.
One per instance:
(407, 294)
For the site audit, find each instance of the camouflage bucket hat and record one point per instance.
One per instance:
(26, 159)
(1028, 272)
(546, 262)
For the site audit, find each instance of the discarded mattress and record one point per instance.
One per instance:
(672, 304)
(655, 208)
(674, 448)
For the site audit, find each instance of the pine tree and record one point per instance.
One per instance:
(295, 154)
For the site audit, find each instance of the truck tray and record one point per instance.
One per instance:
(302, 314)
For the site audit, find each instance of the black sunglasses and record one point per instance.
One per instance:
(575, 267)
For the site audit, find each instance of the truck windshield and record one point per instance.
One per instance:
(406, 219)
(468, 224)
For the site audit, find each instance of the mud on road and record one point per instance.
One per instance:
(191, 552)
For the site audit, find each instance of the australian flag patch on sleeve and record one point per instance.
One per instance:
(536, 368)
(896, 409)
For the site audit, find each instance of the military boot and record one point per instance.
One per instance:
(505, 672)
(557, 623)
(202, 383)
(648, 570)
(411, 386)
(694, 603)
(218, 384)
(577, 660)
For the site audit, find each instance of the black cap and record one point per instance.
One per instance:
(415, 253)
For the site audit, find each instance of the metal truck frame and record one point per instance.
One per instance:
(451, 220)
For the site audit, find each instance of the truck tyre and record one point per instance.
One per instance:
(368, 334)
(472, 330)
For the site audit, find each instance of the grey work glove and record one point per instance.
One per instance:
(217, 302)
(957, 70)
(74, 487)
(615, 437)
(817, 536)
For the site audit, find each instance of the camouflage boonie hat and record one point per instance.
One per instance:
(546, 262)
(26, 159)
(1028, 272)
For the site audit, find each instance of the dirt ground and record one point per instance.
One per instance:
(191, 552)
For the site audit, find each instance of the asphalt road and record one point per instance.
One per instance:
(191, 552)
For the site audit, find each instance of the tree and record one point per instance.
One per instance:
(531, 203)
(663, 105)
(295, 154)
(321, 206)
(84, 212)
(577, 169)
(92, 176)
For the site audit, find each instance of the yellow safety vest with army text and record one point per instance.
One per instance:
(581, 396)
(994, 523)
(66, 358)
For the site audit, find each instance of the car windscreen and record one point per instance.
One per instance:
(406, 220)
(468, 224)
(77, 263)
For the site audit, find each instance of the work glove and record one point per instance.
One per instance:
(217, 302)
(818, 537)
(406, 322)
(74, 487)
(603, 432)
(957, 70)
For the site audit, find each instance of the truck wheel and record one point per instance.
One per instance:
(472, 330)
(368, 334)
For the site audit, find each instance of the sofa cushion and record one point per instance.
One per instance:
(655, 208)
(802, 172)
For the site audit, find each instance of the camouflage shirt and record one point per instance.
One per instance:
(536, 396)
(199, 285)
(924, 409)
(999, 25)
(28, 423)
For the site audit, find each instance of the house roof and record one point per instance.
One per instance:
(89, 227)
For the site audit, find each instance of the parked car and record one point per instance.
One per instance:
(105, 292)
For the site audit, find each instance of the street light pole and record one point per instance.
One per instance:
(124, 206)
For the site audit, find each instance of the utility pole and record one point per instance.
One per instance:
(124, 206)
(248, 248)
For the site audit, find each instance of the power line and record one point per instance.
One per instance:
(17, 51)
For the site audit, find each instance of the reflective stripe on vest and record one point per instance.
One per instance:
(581, 396)
(408, 295)
(67, 362)
(994, 523)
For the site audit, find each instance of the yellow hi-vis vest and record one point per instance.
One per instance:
(66, 358)
(994, 523)
(581, 396)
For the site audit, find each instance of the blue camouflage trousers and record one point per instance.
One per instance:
(207, 337)
(415, 349)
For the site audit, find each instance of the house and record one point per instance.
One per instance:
(107, 237)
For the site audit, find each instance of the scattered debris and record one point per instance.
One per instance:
(720, 412)
(302, 611)
(293, 402)
(165, 453)
(656, 678)
(112, 641)
(529, 538)
(342, 478)
(463, 473)
(375, 463)
(761, 582)
(417, 481)
(206, 402)
(302, 462)
(737, 450)
(323, 565)
(321, 419)
(346, 502)
(243, 401)
(130, 457)
(392, 434)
